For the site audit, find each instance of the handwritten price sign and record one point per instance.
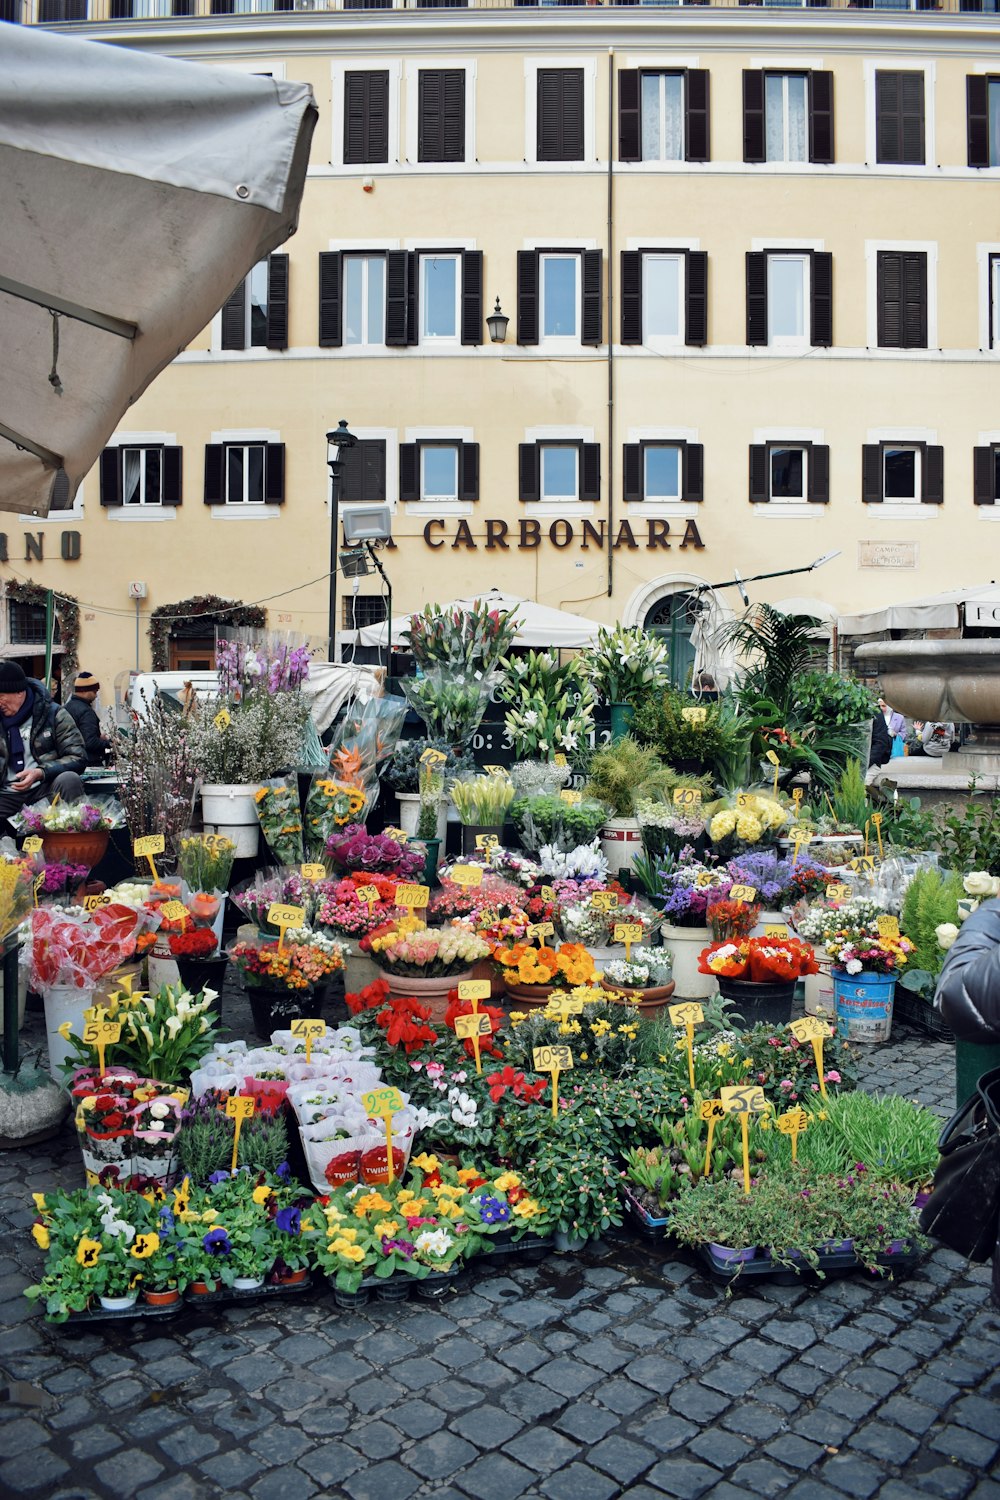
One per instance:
(562, 1008)
(711, 1111)
(91, 903)
(604, 900)
(541, 930)
(560, 759)
(687, 1015)
(888, 927)
(775, 930)
(368, 894)
(222, 720)
(304, 1029)
(282, 916)
(696, 716)
(569, 796)
(474, 989)
(473, 1026)
(487, 841)
(838, 891)
(687, 796)
(174, 911)
(433, 757)
(466, 875)
(238, 1109)
(383, 1104)
(147, 846)
(743, 1101)
(555, 1060)
(32, 844)
(811, 1029)
(101, 1034)
(628, 933)
(312, 872)
(412, 895)
(793, 1122)
(747, 893)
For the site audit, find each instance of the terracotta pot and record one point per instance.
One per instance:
(432, 993)
(74, 846)
(163, 1298)
(288, 1278)
(485, 968)
(647, 1002)
(203, 1288)
(528, 996)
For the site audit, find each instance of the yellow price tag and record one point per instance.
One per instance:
(472, 1026)
(223, 719)
(91, 903)
(744, 800)
(32, 844)
(280, 915)
(743, 1099)
(771, 755)
(604, 900)
(150, 843)
(797, 795)
(487, 841)
(381, 1102)
(560, 759)
(799, 834)
(711, 1109)
(838, 891)
(553, 1058)
(775, 930)
(304, 1030)
(694, 715)
(888, 926)
(466, 875)
(876, 818)
(747, 893)
(368, 894)
(628, 932)
(687, 796)
(495, 770)
(432, 757)
(312, 872)
(101, 1031)
(863, 862)
(240, 1108)
(561, 1008)
(702, 879)
(689, 1013)
(541, 930)
(793, 1122)
(808, 1028)
(474, 989)
(547, 893)
(412, 895)
(570, 797)
(174, 911)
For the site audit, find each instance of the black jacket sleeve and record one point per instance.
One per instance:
(968, 991)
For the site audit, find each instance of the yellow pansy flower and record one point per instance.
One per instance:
(88, 1252)
(145, 1245)
(261, 1193)
(38, 1199)
(41, 1236)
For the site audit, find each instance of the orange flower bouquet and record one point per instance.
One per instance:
(564, 967)
(725, 960)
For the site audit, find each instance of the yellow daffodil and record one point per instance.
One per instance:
(41, 1236)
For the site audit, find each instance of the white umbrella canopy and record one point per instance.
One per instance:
(539, 624)
(933, 612)
(138, 191)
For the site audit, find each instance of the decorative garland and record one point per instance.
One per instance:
(226, 612)
(67, 612)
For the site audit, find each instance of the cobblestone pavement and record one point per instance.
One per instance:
(620, 1372)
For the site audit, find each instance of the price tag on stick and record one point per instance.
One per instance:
(747, 893)
(303, 1030)
(412, 896)
(793, 1123)
(562, 1008)
(554, 1060)
(744, 1100)
(474, 990)
(146, 847)
(473, 1028)
(876, 819)
(222, 720)
(569, 796)
(281, 916)
(466, 875)
(384, 1103)
(541, 930)
(487, 841)
(687, 1015)
(687, 796)
(711, 1110)
(32, 844)
(775, 930)
(100, 1034)
(312, 872)
(432, 757)
(812, 1029)
(628, 933)
(238, 1109)
(838, 891)
(604, 900)
(368, 894)
(776, 763)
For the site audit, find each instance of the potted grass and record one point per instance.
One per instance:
(621, 774)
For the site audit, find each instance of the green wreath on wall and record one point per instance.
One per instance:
(222, 611)
(67, 612)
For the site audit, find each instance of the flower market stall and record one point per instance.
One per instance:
(511, 1049)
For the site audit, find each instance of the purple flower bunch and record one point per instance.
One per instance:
(278, 668)
(689, 889)
(769, 875)
(56, 876)
(493, 1211)
(353, 848)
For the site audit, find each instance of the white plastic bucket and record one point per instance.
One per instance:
(864, 1005)
(409, 815)
(621, 841)
(232, 812)
(685, 945)
(819, 996)
(63, 1002)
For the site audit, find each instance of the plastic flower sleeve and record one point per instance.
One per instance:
(451, 700)
(280, 819)
(16, 893)
(78, 949)
(331, 805)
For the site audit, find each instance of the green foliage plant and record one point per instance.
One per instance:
(205, 1144)
(549, 820)
(624, 663)
(931, 898)
(551, 706)
(849, 797)
(623, 772)
(659, 723)
(829, 698)
(893, 1138)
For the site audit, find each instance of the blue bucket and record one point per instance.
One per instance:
(864, 1005)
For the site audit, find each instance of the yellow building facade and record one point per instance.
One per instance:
(750, 259)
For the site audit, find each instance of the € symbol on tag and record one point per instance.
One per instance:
(32, 844)
(628, 932)
(547, 893)
(174, 911)
(570, 797)
(689, 1013)
(368, 894)
(432, 757)
(487, 841)
(101, 1031)
(796, 795)
(772, 757)
(466, 875)
(711, 1109)
(746, 893)
(381, 1102)
(604, 900)
(472, 1026)
(551, 1059)
(304, 1030)
(560, 760)
(412, 895)
(743, 1099)
(239, 1107)
(312, 872)
(223, 719)
(91, 903)
(541, 930)
(281, 915)
(703, 878)
(838, 891)
(474, 989)
(687, 796)
(694, 715)
(808, 1028)
(775, 930)
(792, 1121)
(888, 926)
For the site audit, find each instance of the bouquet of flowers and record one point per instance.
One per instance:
(70, 947)
(564, 967)
(205, 861)
(626, 662)
(356, 849)
(330, 805)
(665, 829)
(280, 819)
(688, 889)
(299, 964)
(17, 877)
(759, 960)
(340, 908)
(163, 1036)
(197, 942)
(648, 967)
(495, 897)
(753, 818)
(731, 919)
(451, 699)
(61, 817)
(426, 952)
(449, 636)
(552, 706)
(57, 876)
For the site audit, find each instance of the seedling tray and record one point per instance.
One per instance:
(642, 1222)
(763, 1268)
(256, 1294)
(138, 1309)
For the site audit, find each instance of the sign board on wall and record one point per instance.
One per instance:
(887, 554)
(984, 613)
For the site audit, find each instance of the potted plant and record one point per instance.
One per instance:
(759, 975)
(281, 979)
(624, 665)
(930, 916)
(546, 821)
(425, 962)
(429, 820)
(551, 705)
(73, 832)
(620, 775)
(206, 1140)
(402, 774)
(163, 1036)
(482, 803)
(686, 743)
(200, 964)
(645, 980)
(686, 891)
(474, 633)
(532, 971)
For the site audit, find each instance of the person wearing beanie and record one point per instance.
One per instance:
(81, 709)
(41, 750)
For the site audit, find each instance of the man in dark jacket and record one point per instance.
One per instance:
(80, 707)
(41, 750)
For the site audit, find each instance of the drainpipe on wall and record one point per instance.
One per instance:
(611, 327)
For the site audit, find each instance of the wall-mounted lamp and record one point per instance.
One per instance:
(497, 324)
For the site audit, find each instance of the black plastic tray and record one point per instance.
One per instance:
(763, 1268)
(138, 1309)
(915, 1012)
(232, 1294)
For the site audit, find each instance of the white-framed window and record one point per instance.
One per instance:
(661, 105)
(440, 292)
(559, 287)
(900, 115)
(788, 472)
(786, 116)
(903, 468)
(787, 299)
(244, 474)
(142, 476)
(439, 471)
(901, 473)
(439, 466)
(365, 114)
(662, 471)
(663, 294)
(364, 299)
(559, 466)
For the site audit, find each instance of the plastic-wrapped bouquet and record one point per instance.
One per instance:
(760, 960)
(753, 818)
(427, 952)
(72, 947)
(331, 805)
(163, 1035)
(497, 898)
(665, 829)
(205, 861)
(451, 699)
(62, 817)
(281, 820)
(295, 966)
(341, 909)
(688, 890)
(731, 919)
(356, 849)
(585, 862)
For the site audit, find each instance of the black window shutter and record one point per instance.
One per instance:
(756, 297)
(629, 130)
(696, 298)
(753, 114)
(331, 282)
(397, 279)
(977, 119)
(821, 117)
(527, 296)
(821, 297)
(983, 470)
(276, 333)
(911, 125)
(374, 472)
(871, 474)
(362, 479)
(274, 474)
(696, 131)
(590, 471)
(412, 297)
(914, 292)
(631, 295)
(592, 321)
(887, 135)
(472, 296)
(215, 457)
(234, 319)
(430, 115)
(933, 486)
(819, 474)
(111, 476)
(366, 117)
(172, 492)
(468, 471)
(694, 472)
(632, 472)
(889, 288)
(758, 473)
(560, 114)
(454, 115)
(409, 472)
(528, 461)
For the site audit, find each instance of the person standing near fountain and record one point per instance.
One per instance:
(936, 739)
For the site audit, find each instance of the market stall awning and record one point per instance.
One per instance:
(138, 192)
(933, 612)
(540, 624)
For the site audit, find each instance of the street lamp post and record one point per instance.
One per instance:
(339, 440)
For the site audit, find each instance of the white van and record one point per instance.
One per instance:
(329, 686)
(133, 690)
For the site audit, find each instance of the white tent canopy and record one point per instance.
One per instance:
(933, 612)
(138, 192)
(540, 624)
